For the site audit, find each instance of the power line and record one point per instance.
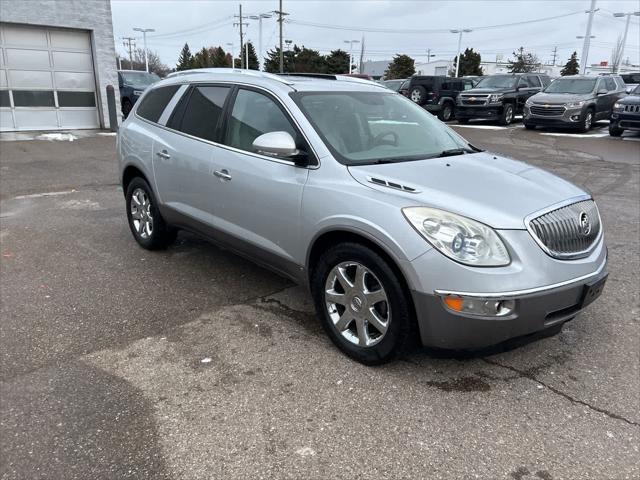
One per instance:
(413, 31)
(196, 29)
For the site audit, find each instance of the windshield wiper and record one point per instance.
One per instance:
(455, 151)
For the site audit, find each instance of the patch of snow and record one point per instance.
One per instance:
(483, 127)
(306, 452)
(46, 194)
(631, 139)
(59, 137)
(107, 134)
(577, 135)
(206, 360)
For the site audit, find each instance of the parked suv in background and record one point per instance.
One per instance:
(131, 84)
(626, 114)
(499, 97)
(631, 80)
(573, 102)
(395, 222)
(437, 94)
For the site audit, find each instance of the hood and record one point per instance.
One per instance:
(560, 98)
(633, 99)
(494, 190)
(481, 91)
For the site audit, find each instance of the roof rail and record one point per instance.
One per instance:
(230, 71)
(329, 76)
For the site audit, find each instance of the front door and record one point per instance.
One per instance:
(259, 197)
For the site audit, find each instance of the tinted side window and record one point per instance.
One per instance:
(254, 114)
(203, 112)
(610, 84)
(534, 81)
(546, 81)
(522, 83)
(155, 101)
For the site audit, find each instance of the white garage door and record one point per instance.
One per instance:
(46, 79)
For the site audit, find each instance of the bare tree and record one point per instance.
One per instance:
(616, 54)
(155, 64)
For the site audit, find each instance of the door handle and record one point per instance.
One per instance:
(163, 154)
(222, 174)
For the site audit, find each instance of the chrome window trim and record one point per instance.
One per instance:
(548, 251)
(529, 291)
(220, 145)
(168, 110)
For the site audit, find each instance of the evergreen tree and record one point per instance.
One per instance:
(469, 63)
(308, 61)
(402, 66)
(524, 62)
(202, 59)
(253, 57)
(572, 67)
(272, 61)
(185, 59)
(337, 62)
(218, 58)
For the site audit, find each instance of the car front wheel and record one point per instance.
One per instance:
(418, 95)
(587, 121)
(615, 130)
(446, 114)
(147, 225)
(507, 114)
(361, 302)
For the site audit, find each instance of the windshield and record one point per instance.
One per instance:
(498, 81)
(393, 84)
(139, 79)
(575, 86)
(374, 127)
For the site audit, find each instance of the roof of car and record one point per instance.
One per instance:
(292, 81)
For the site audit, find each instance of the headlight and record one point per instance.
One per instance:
(496, 98)
(618, 106)
(137, 93)
(459, 238)
(528, 103)
(574, 104)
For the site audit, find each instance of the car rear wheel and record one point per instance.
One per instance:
(418, 95)
(361, 302)
(147, 225)
(615, 130)
(446, 114)
(587, 121)
(507, 115)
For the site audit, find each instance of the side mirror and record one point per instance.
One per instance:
(603, 91)
(280, 145)
(629, 90)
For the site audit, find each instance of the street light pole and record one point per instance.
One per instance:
(144, 41)
(626, 30)
(587, 38)
(233, 55)
(259, 18)
(351, 42)
(459, 32)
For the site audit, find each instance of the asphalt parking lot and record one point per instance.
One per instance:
(193, 363)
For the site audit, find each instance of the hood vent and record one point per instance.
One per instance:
(396, 186)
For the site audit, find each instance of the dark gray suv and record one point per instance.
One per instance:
(574, 102)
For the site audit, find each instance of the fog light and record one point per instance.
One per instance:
(485, 307)
(575, 118)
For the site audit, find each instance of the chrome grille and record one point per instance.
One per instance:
(474, 99)
(632, 108)
(550, 111)
(570, 231)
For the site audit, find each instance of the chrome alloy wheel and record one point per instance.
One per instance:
(141, 213)
(416, 96)
(508, 118)
(357, 304)
(588, 120)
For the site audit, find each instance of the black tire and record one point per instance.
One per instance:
(615, 130)
(586, 122)
(446, 113)
(160, 235)
(507, 114)
(398, 303)
(418, 95)
(528, 126)
(126, 107)
(462, 121)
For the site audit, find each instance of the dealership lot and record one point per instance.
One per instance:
(192, 363)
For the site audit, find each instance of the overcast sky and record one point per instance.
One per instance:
(209, 23)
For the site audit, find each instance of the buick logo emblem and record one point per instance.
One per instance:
(585, 224)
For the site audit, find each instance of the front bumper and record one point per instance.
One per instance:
(626, 121)
(490, 112)
(571, 118)
(534, 312)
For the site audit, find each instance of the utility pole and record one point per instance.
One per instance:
(129, 43)
(587, 39)
(555, 54)
(144, 41)
(626, 30)
(281, 15)
(241, 24)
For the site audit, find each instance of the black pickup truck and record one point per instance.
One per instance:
(499, 97)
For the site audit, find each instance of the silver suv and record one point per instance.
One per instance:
(395, 222)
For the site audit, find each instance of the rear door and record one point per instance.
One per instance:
(185, 150)
(603, 101)
(258, 198)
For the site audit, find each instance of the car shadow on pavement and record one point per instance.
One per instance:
(77, 421)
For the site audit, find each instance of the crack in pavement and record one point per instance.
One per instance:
(566, 396)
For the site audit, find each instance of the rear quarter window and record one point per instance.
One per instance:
(154, 102)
